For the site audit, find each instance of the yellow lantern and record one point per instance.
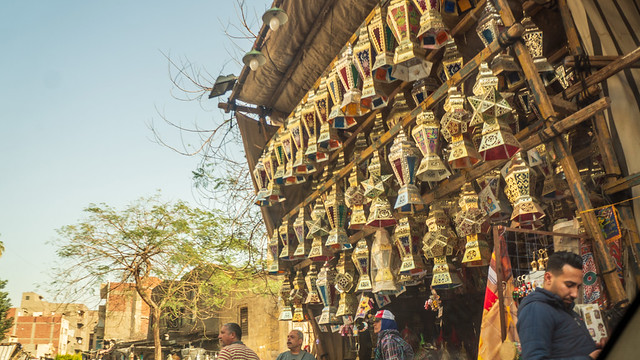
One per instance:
(440, 238)
(408, 242)
(298, 295)
(348, 74)
(433, 32)
(337, 118)
(532, 37)
(361, 260)
(372, 98)
(345, 283)
(301, 163)
(452, 61)
(273, 254)
(409, 58)
(426, 134)
(445, 275)
(300, 229)
(286, 314)
(384, 265)
(337, 213)
(520, 183)
(310, 279)
(454, 127)
(404, 157)
(384, 42)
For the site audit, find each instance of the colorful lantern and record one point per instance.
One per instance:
(286, 314)
(301, 164)
(372, 98)
(337, 118)
(404, 157)
(422, 89)
(279, 175)
(408, 241)
(286, 238)
(290, 177)
(383, 264)
(433, 32)
(532, 37)
(520, 183)
(273, 254)
(318, 231)
(315, 107)
(326, 290)
(348, 74)
(345, 283)
(409, 58)
(490, 25)
(454, 123)
(384, 42)
(489, 198)
(445, 275)
(374, 186)
(337, 213)
(360, 258)
(300, 229)
(310, 279)
(328, 140)
(354, 195)
(451, 60)
(298, 295)
(439, 240)
(426, 134)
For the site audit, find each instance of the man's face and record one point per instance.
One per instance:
(377, 324)
(294, 342)
(566, 284)
(227, 337)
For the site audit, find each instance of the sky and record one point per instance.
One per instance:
(80, 83)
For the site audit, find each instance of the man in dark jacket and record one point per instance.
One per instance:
(390, 346)
(547, 325)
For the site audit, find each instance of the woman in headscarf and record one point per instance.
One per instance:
(391, 346)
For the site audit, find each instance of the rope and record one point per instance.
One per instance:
(605, 206)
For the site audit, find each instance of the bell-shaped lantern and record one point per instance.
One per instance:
(326, 290)
(310, 279)
(286, 314)
(384, 43)
(445, 275)
(372, 98)
(532, 37)
(348, 74)
(337, 118)
(383, 263)
(520, 183)
(433, 32)
(361, 260)
(408, 243)
(426, 134)
(409, 58)
(300, 229)
(490, 25)
(287, 238)
(298, 296)
(273, 254)
(404, 156)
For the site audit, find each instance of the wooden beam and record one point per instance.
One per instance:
(596, 61)
(622, 184)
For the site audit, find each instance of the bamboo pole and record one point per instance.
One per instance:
(577, 188)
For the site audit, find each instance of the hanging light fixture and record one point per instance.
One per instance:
(337, 118)
(300, 229)
(337, 213)
(260, 177)
(273, 263)
(384, 42)
(361, 260)
(433, 33)
(489, 198)
(372, 97)
(520, 183)
(426, 134)
(286, 314)
(404, 156)
(384, 267)
(440, 238)
(254, 59)
(275, 17)
(301, 164)
(326, 290)
(354, 195)
(452, 61)
(490, 25)
(348, 74)
(445, 275)
(286, 238)
(316, 106)
(422, 89)
(471, 222)
(408, 241)
(532, 37)
(318, 231)
(454, 123)
(298, 295)
(310, 279)
(409, 58)
(345, 283)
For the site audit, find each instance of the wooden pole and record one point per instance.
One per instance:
(578, 189)
(497, 250)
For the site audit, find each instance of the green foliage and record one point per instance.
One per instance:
(5, 305)
(69, 357)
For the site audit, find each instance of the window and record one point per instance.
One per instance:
(244, 320)
(26, 297)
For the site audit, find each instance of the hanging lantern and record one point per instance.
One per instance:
(409, 58)
(337, 213)
(454, 123)
(380, 214)
(384, 42)
(422, 89)
(310, 279)
(383, 264)
(300, 229)
(298, 295)
(445, 275)
(399, 110)
(404, 157)
(433, 32)
(301, 164)
(286, 314)
(451, 60)
(290, 177)
(273, 193)
(489, 198)
(260, 177)
(328, 140)
(348, 74)
(408, 241)
(337, 118)
(476, 251)
(354, 195)
(438, 241)
(374, 186)
(520, 183)
(360, 258)
(372, 98)
(273, 254)
(317, 231)
(308, 119)
(344, 284)
(426, 134)
(324, 284)
(286, 238)
(509, 74)
(490, 25)
(279, 174)
(532, 37)
(470, 219)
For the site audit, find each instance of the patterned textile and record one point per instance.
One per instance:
(592, 287)
(610, 226)
(391, 346)
(237, 351)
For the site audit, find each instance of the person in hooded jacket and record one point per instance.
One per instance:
(547, 325)
(390, 346)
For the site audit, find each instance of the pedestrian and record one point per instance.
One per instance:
(294, 343)
(547, 325)
(390, 346)
(234, 349)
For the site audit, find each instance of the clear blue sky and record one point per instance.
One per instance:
(80, 81)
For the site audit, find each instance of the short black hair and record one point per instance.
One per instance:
(559, 259)
(234, 328)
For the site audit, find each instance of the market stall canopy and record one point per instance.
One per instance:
(299, 51)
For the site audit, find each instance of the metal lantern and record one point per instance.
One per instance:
(290, 177)
(374, 186)
(399, 110)
(301, 164)
(532, 37)
(337, 118)
(318, 231)
(509, 74)
(298, 295)
(372, 98)
(520, 183)
(384, 42)
(485, 81)
(279, 174)
(286, 238)
(348, 74)
(439, 240)
(422, 89)
(345, 282)
(408, 242)
(476, 251)
(470, 219)
(383, 264)
(380, 214)
(286, 314)
(451, 60)
(490, 199)
(433, 32)
(454, 123)
(426, 134)
(300, 229)
(326, 290)
(403, 156)
(328, 140)
(409, 58)
(445, 275)
(490, 25)
(273, 254)
(354, 195)
(316, 104)
(310, 279)
(260, 177)
(361, 261)
(337, 213)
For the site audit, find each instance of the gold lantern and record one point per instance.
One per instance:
(328, 140)
(345, 283)
(384, 42)
(337, 213)
(354, 195)
(273, 263)
(476, 251)
(383, 263)
(260, 177)
(409, 58)
(318, 231)
(399, 110)
(290, 176)
(408, 241)
(286, 314)
(445, 275)
(316, 104)
(372, 98)
(520, 183)
(380, 214)
(454, 123)
(433, 32)
(404, 157)
(426, 134)
(532, 37)
(489, 198)
(326, 290)
(509, 74)
(286, 238)
(348, 74)
(471, 222)
(374, 186)
(310, 279)
(298, 295)
(301, 164)
(360, 259)
(279, 174)
(300, 229)
(337, 118)
(440, 238)
(423, 88)
(452, 61)
(490, 25)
